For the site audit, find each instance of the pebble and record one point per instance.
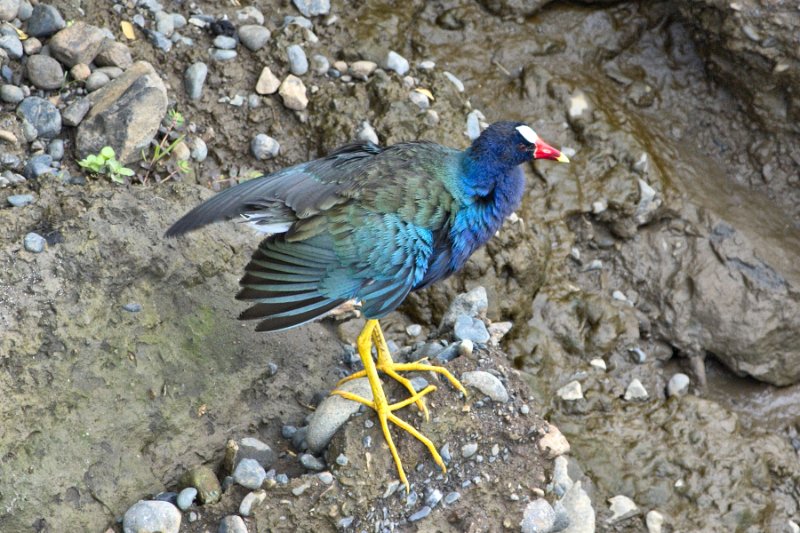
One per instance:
(76, 111)
(282, 479)
(473, 329)
(249, 474)
(42, 115)
(222, 55)
(469, 449)
(312, 463)
(473, 130)
(414, 330)
(297, 491)
(445, 453)
(341, 460)
(639, 356)
(250, 15)
(487, 383)
(333, 412)
(293, 93)
(20, 200)
(12, 45)
(96, 80)
(44, 72)
(654, 521)
(194, 78)
(205, 481)
(538, 517)
(34, 242)
(361, 70)
(25, 10)
(199, 149)
(31, 46)
(232, 524)
(367, 133)
(312, 8)
(498, 330)
(303, 22)
(11, 94)
(561, 480)
(411, 499)
(473, 304)
(147, 516)
(186, 498)
(165, 23)
(621, 507)
(579, 508)
(419, 383)
(264, 147)
(524, 409)
(251, 500)
(252, 448)
(346, 522)
(168, 496)
(433, 498)
(427, 64)
(419, 99)
(37, 166)
(298, 62)
(554, 443)
(571, 391)
(598, 363)
(452, 497)
(8, 9)
(419, 515)
(133, 307)
(635, 391)
(397, 63)
(455, 81)
(320, 64)
(223, 42)
(325, 477)
(267, 82)
(80, 71)
(254, 36)
(678, 385)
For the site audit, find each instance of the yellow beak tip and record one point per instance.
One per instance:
(562, 158)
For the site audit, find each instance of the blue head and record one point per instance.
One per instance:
(509, 144)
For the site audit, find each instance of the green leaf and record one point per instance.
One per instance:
(108, 153)
(125, 171)
(117, 178)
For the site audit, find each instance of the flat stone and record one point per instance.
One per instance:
(223, 42)
(572, 391)
(252, 448)
(487, 383)
(78, 43)
(293, 93)
(125, 114)
(20, 200)
(113, 54)
(621, 507)
(12, 45)
(333, 412)
(267, 82)
(151, 516)
(194, 78)
(42, 115)
(538, 517)
(254, 36)
(554, 443)
(44, 21)
(313, 8)
(74, 113)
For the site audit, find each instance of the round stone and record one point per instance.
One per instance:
(223, 42)
(186, 498)
(96, 80)
(264, 147)
(678, 385)
(232, 524)
(152, 515)
(20, 200)
(254, 36)
(11, 94)
(42, 115)
(487, 383)
(249, 474)
(298, 62)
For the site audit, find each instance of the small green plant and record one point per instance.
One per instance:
(106, 163)
(163, 149)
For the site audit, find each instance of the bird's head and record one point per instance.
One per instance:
(514, 143)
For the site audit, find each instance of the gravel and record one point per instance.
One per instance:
(151, 515)
(469, 449)
(298, 62)
(267, 82)
(433, 498)
(312, 463)
(254, 37)
(419, 515)
(473, 304)
(452, 497)
(264, 147)
(571, 391)
(132, 307)
(223, 42)
(252, 448)
(293, 93)
(223, 55)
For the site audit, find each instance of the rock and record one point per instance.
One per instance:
(293, 93)
(325, 477)
(186, 498)
(12, 45)
(419, 515)
(473, 304)
(397, 63)
(473, 130)
(254, 36)
(312, 8)
(252, 448)
(249, 474)
(44, 21)
(455, 81)
(320, 64)
(250, 15)
(19, 200)
(298, 63)
(654, 521)
(113, 54)
(199, 149)
(678, 385)
(205, 481)
(561, 480)
(160, 40)
(223, 42)
(367, 133)
(635, 391)
(232, 524)
(267, 82)
(31, 46)
(469, 449)
(598, 363)
(8, 9)
(125, 114)
(80, 72)
(498, 330)
(34, 242)
(419, 99)
(579, 508)
(452, 497)
(42, 115)
(264, 147)
(11, 94)
(73, 115)
(151, 516)
(250, 501)
(165, 23)
(223, 55)
(473, 329)
(312, 463)
(333, 412)
(78, 43)
(487, 383)
(538, 517)
(55, 149)
(571, 391)
(622, 507)
(96, 80)
(134, 307)
(25, 10)
(554, 443)
(361, 70)
(194, 78)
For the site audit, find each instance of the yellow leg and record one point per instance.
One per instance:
(379, 402)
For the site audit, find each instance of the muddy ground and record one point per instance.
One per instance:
(101, 407)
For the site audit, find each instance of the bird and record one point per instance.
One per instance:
(371, 224)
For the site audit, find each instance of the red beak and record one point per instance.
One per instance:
(545, 151)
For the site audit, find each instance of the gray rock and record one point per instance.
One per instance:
(25, 10)
(367, 133)
(362, 70)
(250, 15)
(397, 63)
(472, 329)
(74, 113)
(37, 166)
(125, 114)
(579, 508)
(313, 8)
(186, 498)
(249, 474)
(112, 72)
(56, 149)
(298, 62)
(457, 82)
(11, 94)
(8, 9)
(561, 480)
(199, 149)
(621, 508)
(678, 385)
(254, 36)
(44, 21)
(159, 40)
(473, 304)
(223, 55)
(34, 243)
(312, 463)
(12, 45)
(282, 479)
(264, 147)
(78, 43)
(419, 99)
(419, 515)
(635, 391)
(252, 448)
(20, 200)
(223, 42)
(150, 516)
(487, 383)
(194, 78)
(655, 522)
(165, 23)
(342, 460)
(325, 477)
(333, 412)
(267, 82)
(31, 46)
(538, 517)
(232, 524)
(320, 64)
(178, 21)
(433, 498)
(113, 54)
(250, 501)
(134, 307)
(562, 518)
(572, 391)
(452, 497)
(293, 93)
(96, 80)
(469, 449)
